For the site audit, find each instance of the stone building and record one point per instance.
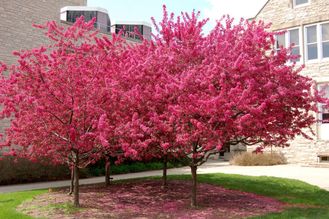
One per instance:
(306, 23)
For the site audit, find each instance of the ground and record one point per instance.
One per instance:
(147, 199)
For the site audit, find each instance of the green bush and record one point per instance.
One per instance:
(24, 171)
(127, 167)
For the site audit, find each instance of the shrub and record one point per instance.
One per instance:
(259, 159)
(97, 169)
(25, 171)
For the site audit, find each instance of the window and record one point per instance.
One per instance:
(311, 42)
(325, 40)
(317, 41)
(129, 30)
(293, 39)
(280, 42)
(290, 38)
(73, 15)
(300, 2)
(323, 109)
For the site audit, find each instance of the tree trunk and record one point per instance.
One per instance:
(76, 181)
(194, 186)
(164, 171)
(107, 171)
(72, 181)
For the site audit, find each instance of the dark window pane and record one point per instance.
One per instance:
(325, 117)
(325, 114)
(324, 91)
(299, 2)
(323, 109)
(311, 34)
(296, 51)
(88, 15)
(325, 32)
(325, 49)
(312, 51)
(294, 36)
(118, 28)
(73, 15)
(102, 21)
(280, 41)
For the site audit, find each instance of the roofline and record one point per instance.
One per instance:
(83, 8)
(132, 23)
(259, 11)
(129, 40)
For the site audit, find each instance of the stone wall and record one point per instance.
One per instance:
(283, 15)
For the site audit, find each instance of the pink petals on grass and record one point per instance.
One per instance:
(147, 199)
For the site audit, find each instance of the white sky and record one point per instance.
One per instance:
(235, 8)
(143, 10)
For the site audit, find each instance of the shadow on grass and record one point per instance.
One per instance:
(286, 190)
(300, 213)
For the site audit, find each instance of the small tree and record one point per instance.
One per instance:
(55, 98)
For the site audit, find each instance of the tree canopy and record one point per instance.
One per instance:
(185, 94)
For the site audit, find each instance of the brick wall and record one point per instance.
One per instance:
(16, 31)
(283, 15)
(17, 17)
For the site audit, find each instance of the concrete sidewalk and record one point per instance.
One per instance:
(311, 175)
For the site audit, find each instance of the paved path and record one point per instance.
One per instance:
(312, 175)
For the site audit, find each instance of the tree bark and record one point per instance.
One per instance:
(72, 181)
(107, 171)
(194, 186)
(76, 181)
(164, 171)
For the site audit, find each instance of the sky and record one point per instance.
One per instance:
(143, 10)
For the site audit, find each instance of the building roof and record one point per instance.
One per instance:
(83, 8)
(132, 23)
(259, 10)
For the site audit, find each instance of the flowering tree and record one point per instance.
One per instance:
(56, 99)
(185, 94)
(205, 93)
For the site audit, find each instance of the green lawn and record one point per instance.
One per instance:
(9, 202)
(314, 201)
(310, 201)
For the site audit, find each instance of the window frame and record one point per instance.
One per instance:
(288, 42)
(318, 42)
(321, 41)
(306, 43)
(321, 127)
(320, 106)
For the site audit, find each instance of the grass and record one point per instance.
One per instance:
(67, 208)
(286, 190)
(312, 201)
(306, 201)
(300, 213)
(9, 202)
